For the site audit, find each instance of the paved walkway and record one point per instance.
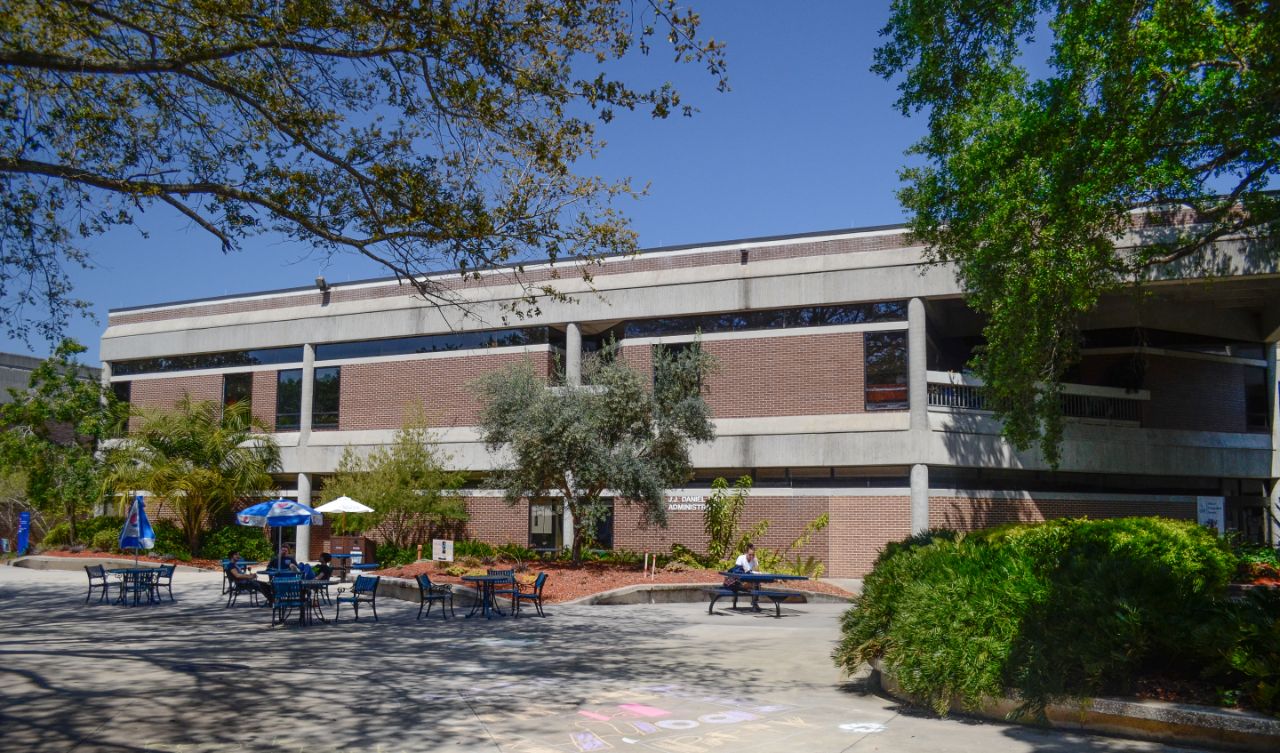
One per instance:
(197, 678)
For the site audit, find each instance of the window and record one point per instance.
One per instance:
(261, 357)
(237, 388)
(741, 321)
(289, 400)
(546, 526)
(325, 398)
(399, 346)
(886, 371)
(1257, 411)
(122, 390)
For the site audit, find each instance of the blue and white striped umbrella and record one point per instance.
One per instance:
(137, 533)
(279, 512)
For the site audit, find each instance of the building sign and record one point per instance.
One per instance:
(690, 503)
(24, 532)
(1210, 512)
(442, 550)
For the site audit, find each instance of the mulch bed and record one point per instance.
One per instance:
(566, 581)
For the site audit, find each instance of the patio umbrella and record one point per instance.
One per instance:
(279, 513)
(344, 505)
(137, 533)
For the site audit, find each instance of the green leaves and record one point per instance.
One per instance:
(424, 136)
(1032, 166)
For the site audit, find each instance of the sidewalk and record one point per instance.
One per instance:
(194, 677)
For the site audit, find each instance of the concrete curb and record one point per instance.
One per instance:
(641, 593)
(1173, 723)
(78, 564)
(680, 593)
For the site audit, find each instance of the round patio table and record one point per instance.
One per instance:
(135, 579)
(487, 584)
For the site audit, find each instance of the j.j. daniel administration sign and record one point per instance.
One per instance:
(694, 503)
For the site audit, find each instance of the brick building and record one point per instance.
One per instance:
(841, 388)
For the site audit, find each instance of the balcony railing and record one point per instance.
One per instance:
(948, 390)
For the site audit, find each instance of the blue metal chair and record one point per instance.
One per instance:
(236, 587)
(363, 591)
(97, 579)
(534, 595)
(163, 579)
(288, 596)
(429, 592)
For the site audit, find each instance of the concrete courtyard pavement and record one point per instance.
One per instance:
(194, 677)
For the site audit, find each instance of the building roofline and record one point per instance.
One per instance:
(655, 250)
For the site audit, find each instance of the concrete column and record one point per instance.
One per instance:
(919, 498)
(303, 540)
(918, 379)
(1273, 403)
(573, 356)
(308, 392)
(567, 531)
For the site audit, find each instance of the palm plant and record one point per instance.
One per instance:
(200, 457)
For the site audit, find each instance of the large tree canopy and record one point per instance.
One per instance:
(424, 135)
(1028, 180)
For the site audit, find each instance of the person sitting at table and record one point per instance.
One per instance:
(747, 560)
(241, 577)
(324, 571)
(284, 560)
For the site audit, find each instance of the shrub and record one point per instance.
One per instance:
(59, 535)
(516, 552)
(469, 548)
(388, 554)
(104, 541)
(170, 541)
(1063, 608)
(248, 540)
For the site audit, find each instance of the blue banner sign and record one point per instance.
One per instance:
(24, 532)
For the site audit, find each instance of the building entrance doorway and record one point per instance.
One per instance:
(546, 526)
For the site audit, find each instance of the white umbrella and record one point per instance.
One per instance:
(343, 504)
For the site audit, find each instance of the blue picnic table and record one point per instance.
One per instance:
(753, 583)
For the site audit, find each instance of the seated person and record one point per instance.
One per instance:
(284, 560)
(747, 560)
(324, 571)
(241, 577)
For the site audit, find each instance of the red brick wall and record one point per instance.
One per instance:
(778, 376)
(860, 527)
(264, 397)
(787, 517)
(165, 393)
(968, 514)
(496, 522)
(378, 395)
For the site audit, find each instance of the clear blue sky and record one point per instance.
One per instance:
(807, 140)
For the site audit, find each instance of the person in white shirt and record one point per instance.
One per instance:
(747, 560)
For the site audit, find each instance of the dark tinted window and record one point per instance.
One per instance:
(262, 357)
(886, 370)
(122, 390)
(325, 398)
(739, 321)
(399, 346)
(289, 400)
(237, 388)
(1257, 411)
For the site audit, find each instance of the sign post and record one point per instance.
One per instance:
(24, 532)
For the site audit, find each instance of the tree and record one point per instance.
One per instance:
(1027, 183)
(199, 457)
(53, 431)
(616, 434)
(424, 136)
(408, 485)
